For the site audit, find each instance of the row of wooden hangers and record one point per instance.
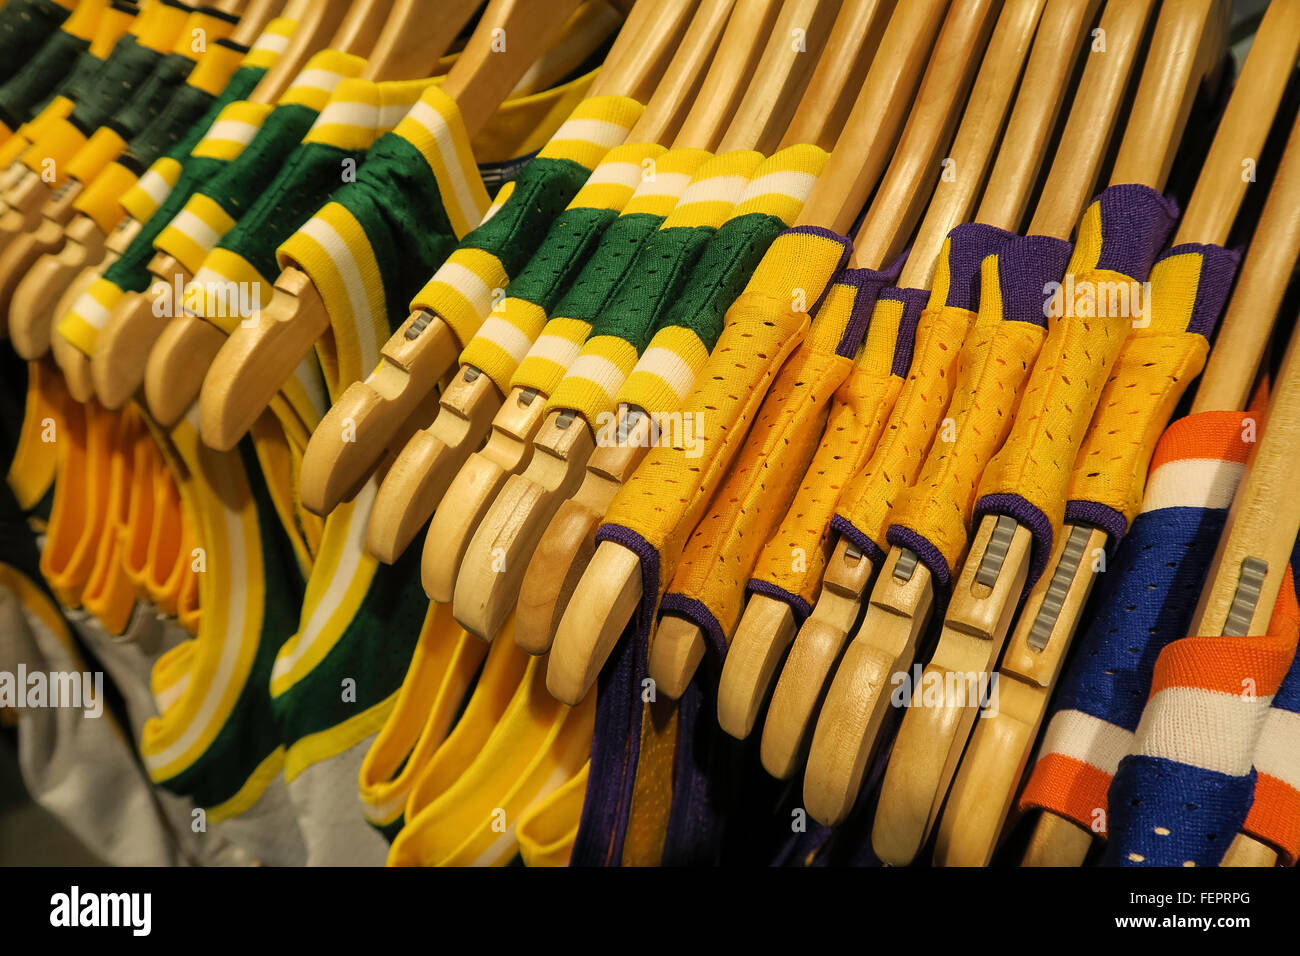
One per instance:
(891, 89)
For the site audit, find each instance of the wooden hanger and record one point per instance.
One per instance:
(82, 245)
(610, 588)
(1229, 374)
(317, 22)
(679, 643)
(568, 543)
(930, 739)
(400, 40)
(485, 593)
(410, 368)
(422, 472)
(767, 626)
(255, 361)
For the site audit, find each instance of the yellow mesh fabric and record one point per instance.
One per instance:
(795, 557)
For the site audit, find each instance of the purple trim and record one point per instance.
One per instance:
(914, 302)
(868, 283)
(798, 605)
(1100, 516)
(698, 612)
(616, 744)
(649, 564)
(1025, 266)
(1028, 515)
(928, 554)
(873, 551)
(968, 244)
(1135, 222)
(1218, 268)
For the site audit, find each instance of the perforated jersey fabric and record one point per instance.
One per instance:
(944, 315)
(1185, 787)
(1121, 233)
(932, 516)
(364, 252)
(506, 337)
(1274, 815)
(1144, 601)
(790, 566)
(556, 345)
(720, 554)
(761, 330)
(42, 108)
(1160, 358)
(25, 26)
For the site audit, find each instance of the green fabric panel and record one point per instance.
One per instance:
(397, 201)
(601, 274)
(651, 284)
(126, 68)
(567, 246)
(248, 737)
(25, 25)
(302, 186)
(79, 79)
(729, 258)
(374, 650)
(241, 181)
(152, 96)
(130, 273)
(36, 82)
(186, 105)
(542, 191)
(240, 87)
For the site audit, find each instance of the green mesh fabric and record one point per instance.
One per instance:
(302, 186)
(130, 273)
(25, 25)
(397, 202)
(186, 106)
(729, 258)
(602, 273)
(241, 181)
(248, 736)
(545, 187)
(374, 650)
(559, 259)
(240, 87)
(79, 79)
(35, 83)
(651, 285)
(115, 83)
(152, 95)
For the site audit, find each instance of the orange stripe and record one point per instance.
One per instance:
(1068, 787)
(1214, 435)
(1275, 816)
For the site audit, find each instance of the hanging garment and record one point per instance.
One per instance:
(364, 254)
(25, 27)
(25, 84)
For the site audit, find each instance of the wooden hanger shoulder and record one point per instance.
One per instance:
(841, 69)
(414, 37)
(317, 23)
(871, 130)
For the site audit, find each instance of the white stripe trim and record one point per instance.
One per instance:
(272, 41)
(788, 183)
(196, 229)
(1202, 728)
(1088, 739)
(600, 132)
(324, 80)
(616, 174)
(555, 348)
(346, 113)
(670, 367)
(358, 302)
(89, 309)
(437, 127)
(1193, 483)
(715, 189)
(155, 187)
(466, 282)
(663, 184)
(231, 131)
(508, 337)
(1278, 751)
(600, 371)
